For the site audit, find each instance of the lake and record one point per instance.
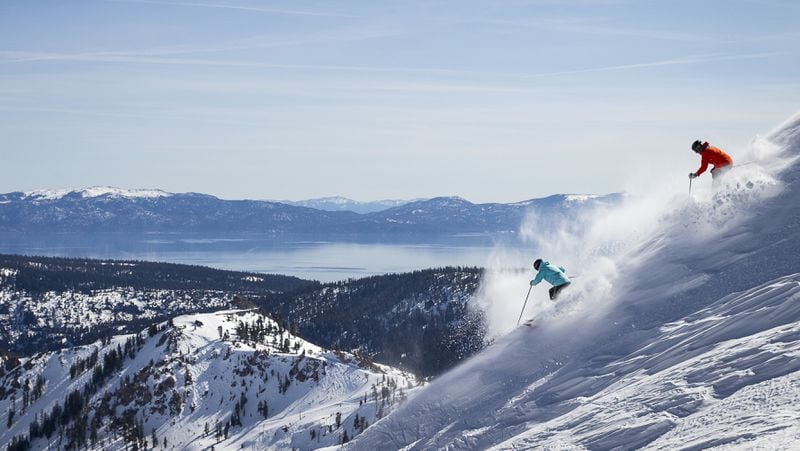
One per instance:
(326, 260)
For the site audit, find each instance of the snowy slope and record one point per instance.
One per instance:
(682, 331)
(261, 389)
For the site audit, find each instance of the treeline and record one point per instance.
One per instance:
(419, 321)
(37, 275)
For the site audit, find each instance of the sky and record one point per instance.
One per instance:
(493, 101)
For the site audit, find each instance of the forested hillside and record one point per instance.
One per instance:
(422, 321)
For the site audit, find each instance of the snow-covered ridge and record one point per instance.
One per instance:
(227, 380)
(580, 197)
(96, 191)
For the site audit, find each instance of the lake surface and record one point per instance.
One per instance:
(324, 260)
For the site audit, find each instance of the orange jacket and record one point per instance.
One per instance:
(715, 156)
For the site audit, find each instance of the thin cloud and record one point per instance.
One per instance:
(591, 26)
(696, 59)
(253, 43)
(106, 57)
(18, 57)
(157, 112)
(238, 7)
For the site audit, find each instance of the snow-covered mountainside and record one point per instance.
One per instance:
(227, 380)
(682, 331)
(50, 303)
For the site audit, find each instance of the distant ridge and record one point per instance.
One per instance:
(339, 203)
(109, 209)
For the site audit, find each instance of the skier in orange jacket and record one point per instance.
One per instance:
(721, 161)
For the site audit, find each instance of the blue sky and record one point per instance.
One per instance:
(492, 101)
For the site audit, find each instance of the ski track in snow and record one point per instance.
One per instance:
(696, 346)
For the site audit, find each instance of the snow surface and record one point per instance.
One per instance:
(97, 191)
(681, 331)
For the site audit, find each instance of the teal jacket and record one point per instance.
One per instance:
(555, 275)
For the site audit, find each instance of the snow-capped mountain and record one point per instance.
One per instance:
(224, 380)
(682, 331)
(338, 203)
(94, 191)
(103, 209)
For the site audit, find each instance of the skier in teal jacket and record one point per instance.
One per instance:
(555, 275)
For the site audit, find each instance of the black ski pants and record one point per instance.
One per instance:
(555, 290)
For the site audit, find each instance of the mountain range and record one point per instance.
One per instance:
(104, 209)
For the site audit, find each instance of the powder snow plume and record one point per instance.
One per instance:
(596, 244)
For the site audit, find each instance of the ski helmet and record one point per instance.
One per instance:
(537, 263)
(697, 146)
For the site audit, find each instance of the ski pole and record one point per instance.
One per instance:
(523, 305)
(690, 187)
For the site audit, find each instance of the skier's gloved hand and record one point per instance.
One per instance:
(532, 284)
(692, 175)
